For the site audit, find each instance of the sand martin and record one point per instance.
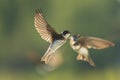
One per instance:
(49, 34)
(81, 45)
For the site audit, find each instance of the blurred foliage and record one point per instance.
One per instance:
(21, 46)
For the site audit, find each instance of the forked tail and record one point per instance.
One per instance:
(86, 58)
(47, 56)
(91, 62)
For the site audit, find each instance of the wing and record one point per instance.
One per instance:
(44, 29)
(96, 43)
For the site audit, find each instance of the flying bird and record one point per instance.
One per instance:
(49, 34)
(81, 45)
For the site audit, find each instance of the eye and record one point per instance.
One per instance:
(75, 39)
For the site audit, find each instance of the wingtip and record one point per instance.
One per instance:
(38, 11)
(113, 44)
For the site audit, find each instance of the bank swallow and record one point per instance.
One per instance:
(81, 45)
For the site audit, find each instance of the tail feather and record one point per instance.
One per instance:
(91, 62)
(44, 58)
(86, 58)
(79, 57)
(47, 56)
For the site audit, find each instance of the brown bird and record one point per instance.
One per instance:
(82, 44)
(49, 34)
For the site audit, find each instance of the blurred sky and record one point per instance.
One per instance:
(21, 47)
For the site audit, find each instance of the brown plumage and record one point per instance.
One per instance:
(96, 43)
(82, 44)
(44, 29)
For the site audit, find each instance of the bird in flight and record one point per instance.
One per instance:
(81, 44)
(49, 34)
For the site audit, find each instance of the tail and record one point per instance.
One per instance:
(86, 58)
(47, 56)
(91, 62)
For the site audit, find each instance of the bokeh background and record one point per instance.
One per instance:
(21, 47)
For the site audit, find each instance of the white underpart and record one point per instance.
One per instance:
(83, 51)
(72, 42)
(57, 44)
(66, 36)
(74, 47)
(53, 47)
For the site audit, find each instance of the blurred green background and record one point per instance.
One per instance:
(21, 46)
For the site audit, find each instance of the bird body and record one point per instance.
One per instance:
(50, 35)
(82, 44)
(56, 40)
(51, 50)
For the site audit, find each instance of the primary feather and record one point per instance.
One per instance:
(44, 29)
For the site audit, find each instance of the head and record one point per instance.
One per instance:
(75, 37)
(66, 34)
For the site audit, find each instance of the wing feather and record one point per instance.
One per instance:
(96, 43)
(44, 29)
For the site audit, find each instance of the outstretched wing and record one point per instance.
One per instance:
(44, 29)
(96, 43)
